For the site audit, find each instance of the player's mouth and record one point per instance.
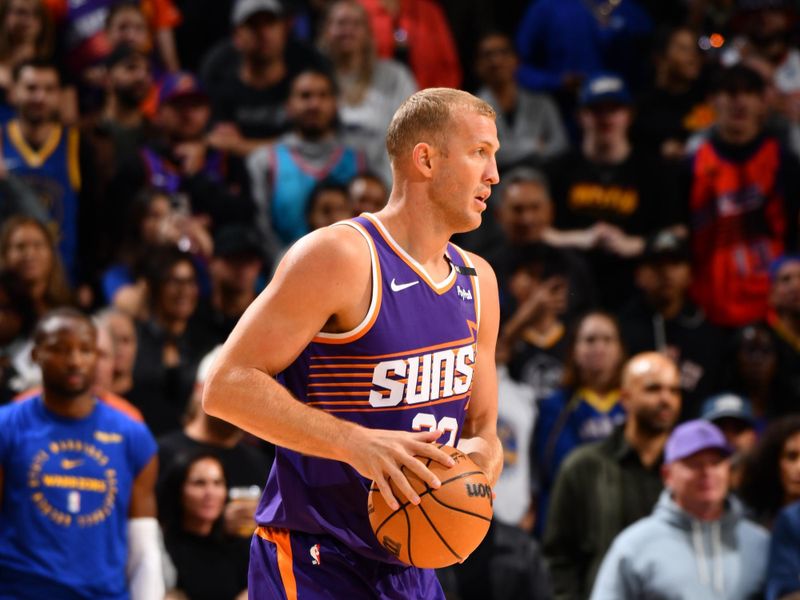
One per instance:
(481, 199)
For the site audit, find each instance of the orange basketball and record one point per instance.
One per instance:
(447, 524)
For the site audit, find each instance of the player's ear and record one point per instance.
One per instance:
(421, 157)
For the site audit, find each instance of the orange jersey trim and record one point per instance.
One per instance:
(440, 288)
(280, 537)
(375, 304)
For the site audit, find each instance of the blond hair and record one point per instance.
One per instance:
(424, 117)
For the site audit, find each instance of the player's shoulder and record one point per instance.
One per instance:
(335, 250)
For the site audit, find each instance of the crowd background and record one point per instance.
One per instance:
(157, 158)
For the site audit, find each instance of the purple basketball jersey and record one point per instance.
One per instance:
(408, 366)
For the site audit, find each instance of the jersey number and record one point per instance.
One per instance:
(428, 421)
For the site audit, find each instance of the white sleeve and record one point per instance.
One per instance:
(145, 577)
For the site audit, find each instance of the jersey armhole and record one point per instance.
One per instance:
(475, 284)
(375, 301)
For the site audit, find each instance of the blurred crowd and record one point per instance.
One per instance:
(157, 157)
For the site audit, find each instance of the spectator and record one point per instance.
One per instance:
(248, 80)
(234, 268)
(370, 88)
(122, 330)
(416, 32)
(17, 370)
(733, 415)
(524, 215)
(516, 415)
(771, 476)
(564, 42)
(182, 163)
(53, 162)
(675, 106)
(367, 192)
(27, 248)
(155, 221)
(784, 562)
(122, 128)
(82, 28)
(742, 216)
(529, 124)
(753, 370)
(604, 487)
(607, 196)
(78, 481)
(246, 466)
(170, 346)
(329, 203)
(283, 174)
(536, 334)
(191, 500)
(664, 319)
(26, 32)
(784, 320)
(665, 554)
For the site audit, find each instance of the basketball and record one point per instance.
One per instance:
(447, 524)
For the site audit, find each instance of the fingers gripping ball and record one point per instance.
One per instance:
(447, 524)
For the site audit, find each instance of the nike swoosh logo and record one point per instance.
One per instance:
(397, 287)
(68, 465)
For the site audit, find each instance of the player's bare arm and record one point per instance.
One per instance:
(322, 284)
(479, 433)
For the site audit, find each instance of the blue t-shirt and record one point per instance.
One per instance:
(66, 493)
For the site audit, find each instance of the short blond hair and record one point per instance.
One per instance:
(424, 117)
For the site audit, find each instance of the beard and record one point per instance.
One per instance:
(649, 423)
(129, 97)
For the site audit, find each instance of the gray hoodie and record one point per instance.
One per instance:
(670, 555)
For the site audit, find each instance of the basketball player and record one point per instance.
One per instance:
(77, 478)
(372, 340)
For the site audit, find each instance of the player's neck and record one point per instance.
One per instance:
(419, 236)
(72, 407)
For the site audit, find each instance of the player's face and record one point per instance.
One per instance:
(204, 492)
(178, 297)
(701, 480)
(790, 467)
(312, 105)
(67, 355)
(37, 94)
(465, 170)
(525, 212)
(29, 254)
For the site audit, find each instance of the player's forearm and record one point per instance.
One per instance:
(255, 402)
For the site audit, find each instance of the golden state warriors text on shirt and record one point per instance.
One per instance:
(63, 529)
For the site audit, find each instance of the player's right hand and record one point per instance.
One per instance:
(380, 454)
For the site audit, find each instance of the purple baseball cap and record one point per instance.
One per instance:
(692, 437)
(180, 85)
